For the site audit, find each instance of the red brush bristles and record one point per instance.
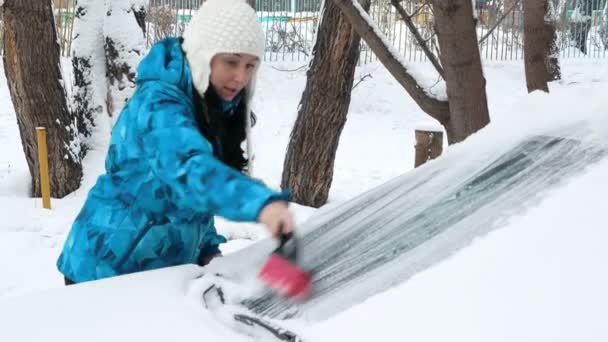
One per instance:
(286, 278)
(282, 272)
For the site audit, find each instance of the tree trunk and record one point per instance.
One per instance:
(535, 45)
(124, 46)
(309, 162)
(34, 77)
(465, 83)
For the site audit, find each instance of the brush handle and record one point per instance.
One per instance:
(285, 238)
(288, 247)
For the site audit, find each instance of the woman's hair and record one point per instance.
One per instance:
(225, 132)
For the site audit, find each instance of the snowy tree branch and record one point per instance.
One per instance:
(290, 70)
(361, 79)
(371, 34)
(407, 19)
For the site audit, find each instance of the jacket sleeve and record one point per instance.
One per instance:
(182, 158)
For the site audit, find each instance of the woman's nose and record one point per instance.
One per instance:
(241, 75)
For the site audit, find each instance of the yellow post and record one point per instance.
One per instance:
(43, 162)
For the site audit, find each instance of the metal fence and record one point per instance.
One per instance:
(64, 20)
(581, 29)
(291, 25)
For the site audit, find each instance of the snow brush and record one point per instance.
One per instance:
(282, 273)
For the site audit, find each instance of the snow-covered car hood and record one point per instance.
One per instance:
(356, 250)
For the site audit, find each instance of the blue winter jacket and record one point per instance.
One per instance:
(154, 205)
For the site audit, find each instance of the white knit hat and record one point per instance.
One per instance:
(224, 26)
(221, 26)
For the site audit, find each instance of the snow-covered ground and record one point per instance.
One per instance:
(540, 278)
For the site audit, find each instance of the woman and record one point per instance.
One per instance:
(175, 158)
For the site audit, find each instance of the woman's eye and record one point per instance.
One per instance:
(250, 66)
(232, 62)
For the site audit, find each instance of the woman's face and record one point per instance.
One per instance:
(231, 72)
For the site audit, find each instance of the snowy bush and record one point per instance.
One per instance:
(290, 37)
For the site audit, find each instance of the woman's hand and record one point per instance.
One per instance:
(277, 218)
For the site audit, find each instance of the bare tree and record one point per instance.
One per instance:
(365, 27)
(465, 83)
(467, 110)
(33, 71)
(534, 45)
(309, 162)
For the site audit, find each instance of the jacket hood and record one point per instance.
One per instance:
(166, 62)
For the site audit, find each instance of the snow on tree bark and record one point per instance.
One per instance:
(124, 45)
(467, 110)
(434, 105)
(89, 85)
(551, 49)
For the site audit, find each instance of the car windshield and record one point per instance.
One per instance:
(386, 235)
